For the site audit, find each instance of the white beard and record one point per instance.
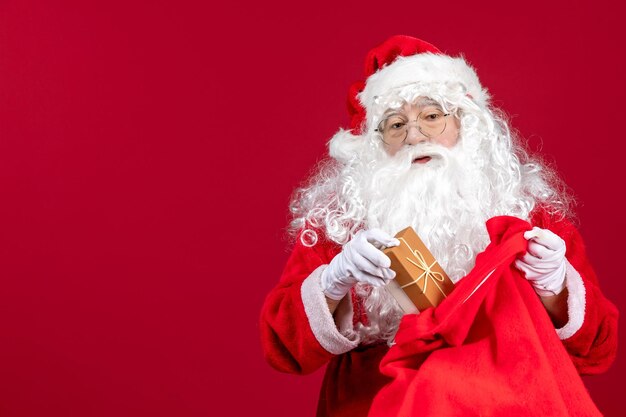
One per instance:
(441, 200)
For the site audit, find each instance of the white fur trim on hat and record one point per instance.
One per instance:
(424, 68)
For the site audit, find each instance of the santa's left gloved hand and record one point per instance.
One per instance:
(544, 261)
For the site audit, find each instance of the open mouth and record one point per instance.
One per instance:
(422, 160)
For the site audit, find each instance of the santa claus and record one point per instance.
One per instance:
(426, 149)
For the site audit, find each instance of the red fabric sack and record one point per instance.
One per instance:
(489, 349)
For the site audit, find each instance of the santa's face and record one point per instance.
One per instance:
(410, 116)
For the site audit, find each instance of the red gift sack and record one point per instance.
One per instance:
(489, 349)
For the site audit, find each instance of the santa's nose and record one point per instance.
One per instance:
(415, 136)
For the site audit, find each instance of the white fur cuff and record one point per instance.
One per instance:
(335, 340)
(575, 303)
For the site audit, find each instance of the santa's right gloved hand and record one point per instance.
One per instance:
(359, 261)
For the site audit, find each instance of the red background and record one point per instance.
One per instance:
(147, 155)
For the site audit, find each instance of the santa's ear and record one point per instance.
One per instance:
(345, 145)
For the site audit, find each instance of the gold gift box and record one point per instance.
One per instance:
(420, 281)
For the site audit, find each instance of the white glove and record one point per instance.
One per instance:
(544, 261)
(359, 261)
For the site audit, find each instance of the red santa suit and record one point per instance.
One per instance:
(299, 334)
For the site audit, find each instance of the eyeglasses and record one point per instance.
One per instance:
(431, 122)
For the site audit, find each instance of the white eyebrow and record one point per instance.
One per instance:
(393, 112)
(427, 101)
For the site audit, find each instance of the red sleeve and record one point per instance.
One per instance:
(593, 346)
(289, 341)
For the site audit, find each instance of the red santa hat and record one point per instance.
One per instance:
(404, 60)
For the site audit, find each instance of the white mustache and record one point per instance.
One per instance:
(408, 155)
